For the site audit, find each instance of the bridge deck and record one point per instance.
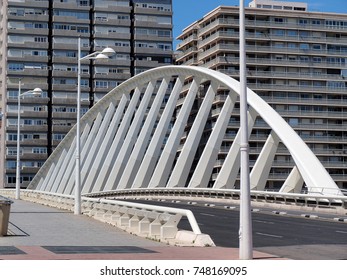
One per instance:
(39, 232)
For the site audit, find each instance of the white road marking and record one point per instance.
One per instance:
(339, 231)
(263, 222)
(269, 235)
(210, 215)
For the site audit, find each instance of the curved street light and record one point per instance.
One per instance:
(104, 54)
(34, 92)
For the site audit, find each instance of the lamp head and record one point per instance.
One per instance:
(108, 51)
(34, 92)
(101, 56)
(37, 92)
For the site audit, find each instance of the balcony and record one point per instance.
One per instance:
(29, 31)
(270, 61)
(60, 115)
(28, 128)
(305, 101)
(269, 24)
(188, 40)
(295, 88)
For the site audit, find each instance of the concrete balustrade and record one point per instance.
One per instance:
(154, 222)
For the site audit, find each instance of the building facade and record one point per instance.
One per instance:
(39, 47)
(296, 61)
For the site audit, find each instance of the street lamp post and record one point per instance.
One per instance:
(104, 54)
(34, 92)
(245, 233)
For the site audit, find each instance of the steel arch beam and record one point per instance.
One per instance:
(157, 136)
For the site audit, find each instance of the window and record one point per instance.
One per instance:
(164, 33)
(279, 45)
(293, 121)
(83, 3)
(15, 66)
(292, 33)
(11, 164)
(279, 32)
(279, 20)
(303, 21)
(58, 136)
(81, 29)
(335, 84)
(11, 137)
(304, 34)
(11, 151)
(101, 84)
(304, 46)
(39, 150)
(11, 179)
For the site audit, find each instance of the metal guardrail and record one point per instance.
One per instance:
(308, 200)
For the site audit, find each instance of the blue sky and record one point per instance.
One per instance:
(188, 11)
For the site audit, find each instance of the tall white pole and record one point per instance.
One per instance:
(18, 144)
(245, 233)
(77, 208)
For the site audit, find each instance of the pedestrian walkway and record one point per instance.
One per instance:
(38, 232)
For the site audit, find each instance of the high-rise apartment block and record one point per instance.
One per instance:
(296, 61)
(39, 47)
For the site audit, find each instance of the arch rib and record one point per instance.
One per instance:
(143, 151)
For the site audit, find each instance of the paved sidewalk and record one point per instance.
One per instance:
(38, 232)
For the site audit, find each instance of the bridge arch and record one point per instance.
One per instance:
(148, 131)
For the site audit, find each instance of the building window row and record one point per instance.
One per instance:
(111, 16)
(32, 122)
(111, 29)
(78, 28)
(14, 25)
(12, 179)
(110, 3)
(280, 7)
(13, 66)
(26, 11)
(10, 164)
(26, 136)
(154, 45)
(75, 14)
(159, 7)
(152, 18)
(154, 32)
(23, 53)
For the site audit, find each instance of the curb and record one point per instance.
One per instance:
(340, 220)
(309, 216)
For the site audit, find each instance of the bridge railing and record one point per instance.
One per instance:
(312, 200)
(154, 222)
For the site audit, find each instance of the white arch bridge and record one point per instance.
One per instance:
(150, 132)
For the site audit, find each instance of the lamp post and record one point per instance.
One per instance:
(104, 54)
(245, 231)
(34, 92)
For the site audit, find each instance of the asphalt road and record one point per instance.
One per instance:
(286, 236)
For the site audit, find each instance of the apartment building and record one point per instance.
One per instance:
(39, 45)
(296, 61)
